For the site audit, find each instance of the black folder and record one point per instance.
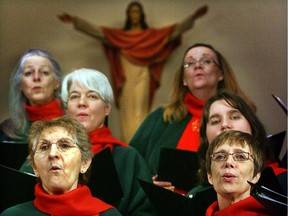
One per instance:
(104, 181)
(18, 187)
(269, 179)
(169, 203)
(274, 202)
(13, 154)
(276, 141)
(179, 167)
(15, 187)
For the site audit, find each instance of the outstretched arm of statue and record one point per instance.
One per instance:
(188, 22)
(84, 26)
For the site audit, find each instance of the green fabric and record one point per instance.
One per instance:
(26, 167)
(154, 133)
(198, 188)
(130, 166)
(28, 209)
(4, 137)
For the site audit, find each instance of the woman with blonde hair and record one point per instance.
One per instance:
(203, 72)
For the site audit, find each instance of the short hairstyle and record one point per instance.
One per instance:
(19, 123)
(257, 128)
(73, 127)
(90, 79)
(232, 138)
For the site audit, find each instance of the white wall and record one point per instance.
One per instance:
(251, 34)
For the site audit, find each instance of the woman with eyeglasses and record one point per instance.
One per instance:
(60, 154)
(88, 97)
(203, 72)
(232, 159)
(228, 111)
(136, 54)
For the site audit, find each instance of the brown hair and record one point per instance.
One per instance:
(128, 23)
(176, 109)
(238, 103)
(233, 137)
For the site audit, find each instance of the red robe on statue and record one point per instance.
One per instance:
(148, 48)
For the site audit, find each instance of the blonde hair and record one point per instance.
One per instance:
(176, 110)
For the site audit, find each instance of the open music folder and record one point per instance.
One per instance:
(169, 203)
(13, 149)
(274, 202)
(18, 187)
(179, 167)
(104, 181)
(15, 187)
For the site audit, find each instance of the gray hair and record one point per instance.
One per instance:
(91, 79)
(19, 123)
(74, 128)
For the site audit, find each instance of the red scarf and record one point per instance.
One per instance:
(76, 202)
(102, 138)
(46, 112)
(246, 207)
(275, 166)
(190, 139)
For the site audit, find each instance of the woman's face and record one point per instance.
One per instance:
(135, 14)
(87, 107)
(229, 178)
(224, 117)
(38, 81)
(201, 76)
(58, 170)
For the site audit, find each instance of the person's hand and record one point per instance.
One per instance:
(165, 184)
(200, 12)
(66, 18)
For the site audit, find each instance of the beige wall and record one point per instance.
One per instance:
(251, 34)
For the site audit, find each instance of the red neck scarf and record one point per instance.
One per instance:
(76, 202)
(275, 166)
(190, 139)
(102, 138)
(46, 112)
(246, 207)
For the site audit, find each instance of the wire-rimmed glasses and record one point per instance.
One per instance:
(237, 156)
(63, 145)
(203, 61)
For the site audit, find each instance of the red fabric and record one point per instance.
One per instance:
(190, 139)
(102, 138)
(44, 112)
(147, 48)
(246, 207)
(76, 202)
(274, 165)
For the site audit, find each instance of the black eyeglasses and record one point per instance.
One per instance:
(63, 145)
(237, 156)
(202, 61)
